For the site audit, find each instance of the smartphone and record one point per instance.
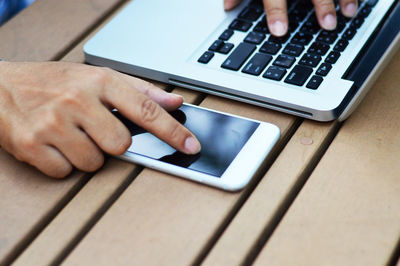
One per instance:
(232, 147)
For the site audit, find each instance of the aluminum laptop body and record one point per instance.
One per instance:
(163, 40)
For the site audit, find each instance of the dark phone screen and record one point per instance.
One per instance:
(221, 138)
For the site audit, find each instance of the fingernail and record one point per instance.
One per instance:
(177, 95)
(278, 28)
(192, 145)
(329, 22)
(350, 10)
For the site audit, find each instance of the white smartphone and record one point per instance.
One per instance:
(232, 147)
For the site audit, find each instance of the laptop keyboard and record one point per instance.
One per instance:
(303, 57)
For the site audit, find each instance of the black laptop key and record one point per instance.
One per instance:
(297, 15)
(261, 27)
(340, 27)
(237, 58)
(226, 48)
(304, 5)
(311, 26)
(206, 57)
(324, 69)
(293, 25)
(270, 47)
(349, 33)
(275, 73)
(327, 36)
(257, 64)
(332, 57)
(310, 60)
(284, 61)
(314, 82)
(226, 35)
(216, 45)
(293, 49)
(365, 11)
(298, 75)
(357, 22)
(341, 22)
(255, 37)
(251, 13)
(319, 48)
(371, 3)
(240, 25)
(281, 39)
(301, 38)
(256, 3)
(342, 19)
(341, 45)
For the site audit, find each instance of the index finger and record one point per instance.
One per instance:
(326, 13)
(146, 113)
(277, 18)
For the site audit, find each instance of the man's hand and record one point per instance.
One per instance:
(57, 115)
(277, 13)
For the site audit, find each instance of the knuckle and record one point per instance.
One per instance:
(94, 161)
(324, 4)
(176, 132)
(275, 11)
(50, 122)
(100, 74)
(146, 87)
(27, 144)
(119, 142)
(59, 170)
(72, 99)
(124, 145)
(150, 111)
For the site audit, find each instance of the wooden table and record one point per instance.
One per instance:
(329, 193)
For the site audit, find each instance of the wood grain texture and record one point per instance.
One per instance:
(348, 213)
(83, 210)
(79, 214)
(163, 219)
(30, 199)
(48, 28)
(269, 199)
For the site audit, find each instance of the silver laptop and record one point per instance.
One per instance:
(312, 73)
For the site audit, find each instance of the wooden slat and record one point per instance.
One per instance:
(272, 195)
(48, 28)
(348, 213)
(29, 199)
(59, 236)
(165, 219)
(98, 193)
(56, 240)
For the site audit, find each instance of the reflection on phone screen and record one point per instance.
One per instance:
(221, 138)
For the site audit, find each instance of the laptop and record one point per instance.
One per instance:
(312, 73)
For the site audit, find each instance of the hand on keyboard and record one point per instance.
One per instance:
(277, 18)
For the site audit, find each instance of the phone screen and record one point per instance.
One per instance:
(221, 138)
